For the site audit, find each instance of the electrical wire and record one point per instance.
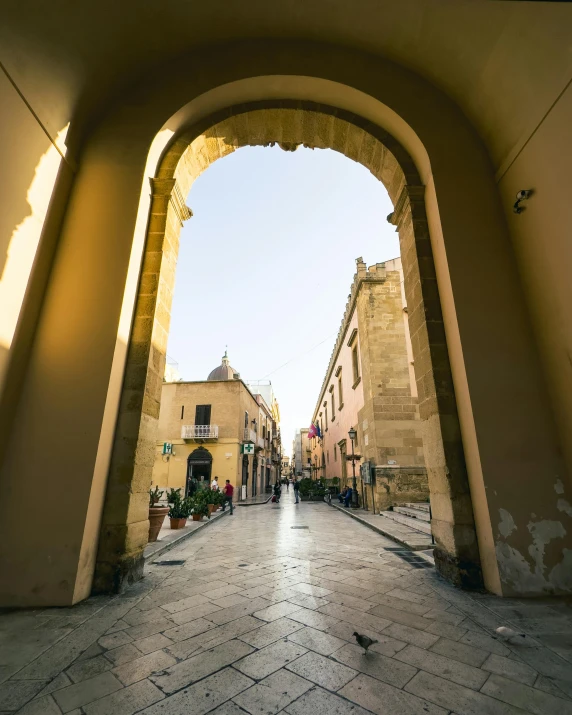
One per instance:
(297, 357)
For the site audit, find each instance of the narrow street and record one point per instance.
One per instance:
(257, 613)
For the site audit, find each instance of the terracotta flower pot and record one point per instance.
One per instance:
(197, 517)
(212, 507)
(157, 516)
(178, 523)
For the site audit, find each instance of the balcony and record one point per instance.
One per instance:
(199, 432)
(249, 435)
(260, 442)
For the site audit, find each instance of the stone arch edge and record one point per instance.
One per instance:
(121, 544)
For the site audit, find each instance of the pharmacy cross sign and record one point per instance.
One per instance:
(247, 449)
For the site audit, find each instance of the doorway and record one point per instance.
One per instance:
(199, 470)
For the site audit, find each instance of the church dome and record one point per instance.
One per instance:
(224, 371)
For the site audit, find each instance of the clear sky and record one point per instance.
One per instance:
(266, 264)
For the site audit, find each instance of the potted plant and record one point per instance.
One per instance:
(214, 500)
(157, 513)
(199, 506)
(180, 511)
(172, 495)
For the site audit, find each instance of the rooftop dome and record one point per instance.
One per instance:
(223, 371)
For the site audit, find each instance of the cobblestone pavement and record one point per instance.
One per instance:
(257, 615)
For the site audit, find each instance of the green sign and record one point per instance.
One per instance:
(247, 449)
(167, 448)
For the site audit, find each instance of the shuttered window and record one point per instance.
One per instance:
(203, 415)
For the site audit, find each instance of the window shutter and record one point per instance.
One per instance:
(203, 415)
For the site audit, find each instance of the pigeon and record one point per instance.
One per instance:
(514, 637)
(363, 641)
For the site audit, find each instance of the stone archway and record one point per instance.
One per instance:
(288, 124)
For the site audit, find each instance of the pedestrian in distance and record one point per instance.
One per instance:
(296, 486)
(228, 491)
(277, 492)
(287, 485)
(214, 485)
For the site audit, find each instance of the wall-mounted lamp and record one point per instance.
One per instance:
(522, 195)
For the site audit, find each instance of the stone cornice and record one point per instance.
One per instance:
(409, 195)
(170, 188)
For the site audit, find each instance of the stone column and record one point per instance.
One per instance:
(456, 549)
(125, 524)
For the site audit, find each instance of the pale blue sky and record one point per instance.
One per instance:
(266, 264)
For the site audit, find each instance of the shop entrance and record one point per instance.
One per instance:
(199, 470)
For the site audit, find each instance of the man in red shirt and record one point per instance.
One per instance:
(228, 491)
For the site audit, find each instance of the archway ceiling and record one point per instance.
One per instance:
(503, 62)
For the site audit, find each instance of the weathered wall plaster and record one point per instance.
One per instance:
(527, 575)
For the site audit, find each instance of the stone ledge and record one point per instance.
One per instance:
(380, 530)
(152, 551)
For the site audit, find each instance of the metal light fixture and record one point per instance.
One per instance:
(352, 434)
(522, 195)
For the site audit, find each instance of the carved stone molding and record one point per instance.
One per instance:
(170, 188)
(409, 195)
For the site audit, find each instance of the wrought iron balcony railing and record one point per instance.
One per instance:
(199, 432)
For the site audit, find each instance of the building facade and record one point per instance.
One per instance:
(370, 387)
(301, 453)
(215, 427)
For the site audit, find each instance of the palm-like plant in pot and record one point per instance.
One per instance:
(172, 494)
(157, 513)
(214, 499)
(180, 510)
(200, 505)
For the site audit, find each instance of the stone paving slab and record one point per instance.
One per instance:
(260, 618)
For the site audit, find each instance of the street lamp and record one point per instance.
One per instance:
(352, 434)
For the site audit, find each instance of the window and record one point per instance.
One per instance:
(182, 411)
(333, 405)
(246, 420)
(328, 454)
(326, 414)
(335, 452)
(355, 364)
(340, 392)
(203, 415)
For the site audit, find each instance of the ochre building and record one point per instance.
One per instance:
(216, 427)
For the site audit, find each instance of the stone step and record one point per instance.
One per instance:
(401, 534)
(419, 505)
(413, 513)
(413, 524)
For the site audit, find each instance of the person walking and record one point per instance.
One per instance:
(296, 486)
(214, 485)
(277, 492)
(228, 491)
(287, 485)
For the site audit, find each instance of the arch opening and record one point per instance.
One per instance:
(289, 124)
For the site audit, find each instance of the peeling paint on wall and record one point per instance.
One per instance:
(559, 487)
(528, 574)
(542, 534)
(506, 524)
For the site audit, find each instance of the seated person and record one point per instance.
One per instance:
(348, 497)
(342, 495)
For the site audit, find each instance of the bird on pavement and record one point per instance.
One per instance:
(363, 641)
(515, 638)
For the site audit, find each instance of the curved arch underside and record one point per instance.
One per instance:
(290, 125)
